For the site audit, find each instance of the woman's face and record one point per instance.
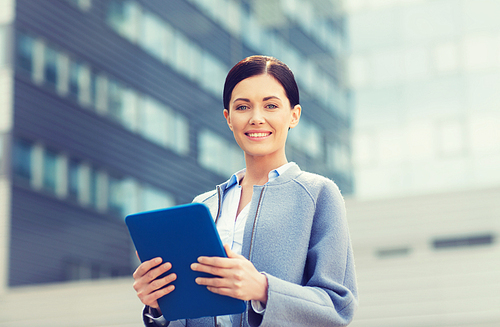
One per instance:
(259, 115)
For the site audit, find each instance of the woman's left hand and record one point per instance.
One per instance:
(238, 277)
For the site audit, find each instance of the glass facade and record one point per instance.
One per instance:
(425, 77)
(107, 95)
(84, 183)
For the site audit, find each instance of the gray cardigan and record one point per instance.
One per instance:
(297, 235)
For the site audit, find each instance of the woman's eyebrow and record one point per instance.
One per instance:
(271, 97)
(264, 99)
(241, 99)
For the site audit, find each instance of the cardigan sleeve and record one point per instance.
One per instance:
(328, 293)
(158, 321)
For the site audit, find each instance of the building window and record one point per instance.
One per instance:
(93, 188)
(93, 89)
(163, 126)
(465, 241)
(219, 155)
(50, 170)
(307, 137)
(393, 252)
(178, 133)
(101, 94)
(82, 4)
(25, 50)
(338, 158)
(74, 183)
(22, 159)
(50, 66)
(130, 198)
(115, 100)
(154, 35)
(78, 83)
(124, 16)
(166, 44)
(153, 198)
(154, 120)
(129, 117)
(115, 196)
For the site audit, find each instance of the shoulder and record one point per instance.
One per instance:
(205, 196)
(318, 185)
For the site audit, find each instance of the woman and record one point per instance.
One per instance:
(289, 251)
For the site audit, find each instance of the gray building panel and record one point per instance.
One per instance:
(83, 134)
(50, 238)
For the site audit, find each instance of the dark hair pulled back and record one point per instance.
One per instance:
(257, 65)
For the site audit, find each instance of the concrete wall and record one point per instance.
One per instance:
(99, 303)
(405, 280)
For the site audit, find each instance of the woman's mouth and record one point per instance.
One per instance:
(258, 135)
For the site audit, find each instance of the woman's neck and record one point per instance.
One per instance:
(258, 168)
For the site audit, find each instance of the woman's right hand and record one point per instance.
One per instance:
(148, 288)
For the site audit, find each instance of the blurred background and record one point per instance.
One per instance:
(109, 107)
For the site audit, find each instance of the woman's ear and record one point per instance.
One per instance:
(228, 119)
(296, 111)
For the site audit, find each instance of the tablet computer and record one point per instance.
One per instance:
(180, 235)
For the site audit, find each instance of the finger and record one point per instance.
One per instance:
(160, 283)
(151, 299)
(146, 266)
(215, 261)
(212, 270)
(213, 282)
(149, 293)
(152, 274)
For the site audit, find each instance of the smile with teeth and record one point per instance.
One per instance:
(258, 134)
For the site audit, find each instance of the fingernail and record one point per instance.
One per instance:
(194, 266)
(157, 260)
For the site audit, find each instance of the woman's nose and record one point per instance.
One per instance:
(257, 117)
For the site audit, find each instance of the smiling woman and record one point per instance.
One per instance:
(288, 248)
(260, 116)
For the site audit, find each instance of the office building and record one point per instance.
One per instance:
(425, 77)
(113, 107)
(426, 141)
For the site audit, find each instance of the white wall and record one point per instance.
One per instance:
(426, 286)
(99, 303)
(6, 119)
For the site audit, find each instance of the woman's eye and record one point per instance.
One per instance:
(241, 107)
(271, 106)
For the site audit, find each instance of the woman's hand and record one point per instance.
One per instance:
(238, 277)
(148, 288)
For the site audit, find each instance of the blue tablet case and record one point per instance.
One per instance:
(180, 235)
